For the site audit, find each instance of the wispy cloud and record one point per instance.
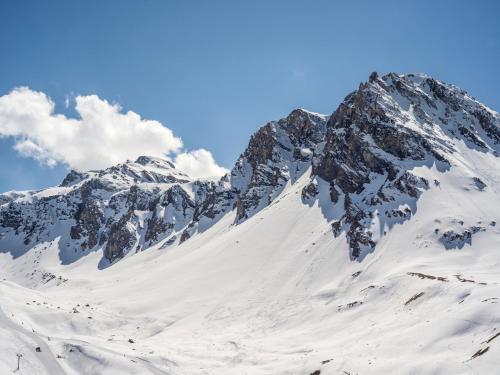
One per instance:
(67, 100)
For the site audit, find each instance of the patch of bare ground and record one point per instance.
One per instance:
(480, 352)
(415, 297)
(492, 338)
(430, 277)
(350, 305)
(464, 280)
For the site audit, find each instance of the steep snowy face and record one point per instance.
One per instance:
(278, 153)
(128, 206)
(382, 131)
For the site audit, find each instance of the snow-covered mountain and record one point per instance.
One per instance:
(132, 206)
(362, 242)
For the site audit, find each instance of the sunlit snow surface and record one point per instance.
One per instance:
(276, 294)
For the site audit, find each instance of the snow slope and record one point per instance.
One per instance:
(278, 292)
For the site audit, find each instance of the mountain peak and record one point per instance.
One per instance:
(297, 112)
(155, 161)
(363, 156)
(387, 127)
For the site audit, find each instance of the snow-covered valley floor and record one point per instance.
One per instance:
(276, 294)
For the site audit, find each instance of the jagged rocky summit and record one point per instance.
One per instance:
(358, 162)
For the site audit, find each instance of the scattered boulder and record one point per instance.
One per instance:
(453, 239)
(310, 191)
(480, 185)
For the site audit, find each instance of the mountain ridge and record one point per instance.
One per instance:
(388, 125)
(334, 243)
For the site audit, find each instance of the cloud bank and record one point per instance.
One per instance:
(102, 136)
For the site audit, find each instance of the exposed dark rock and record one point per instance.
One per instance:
(350, 305)
(279, 151)
(471, 136)
(155, 227)
(337, 228)
(397, 213)
(410, 184)
(185, 236)
(366, 136)
(413, 298)
(489, 124)
(309, 191)
(120, 240)
(479, 183)
(373, 76)
(89, 220)
(492, 338)
(452, 239)
(145, 160)
(430, 277)
(11, 217)
(73, 177)
(480, 352)
(334, 194)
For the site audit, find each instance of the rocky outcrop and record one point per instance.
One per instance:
(131, 205)
(73, 177)
(88, 216)
(121, 238)
(452, 239)
(279, 152)
(310, 191)
(381, 129)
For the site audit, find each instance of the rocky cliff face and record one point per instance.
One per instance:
(125, 207)
(362, 155)
(279, 152)
(387, 127)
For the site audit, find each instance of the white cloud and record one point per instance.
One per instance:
(101, 137)
(28, 148)
(199, 164)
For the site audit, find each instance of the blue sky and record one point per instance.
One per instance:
(214, 71)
